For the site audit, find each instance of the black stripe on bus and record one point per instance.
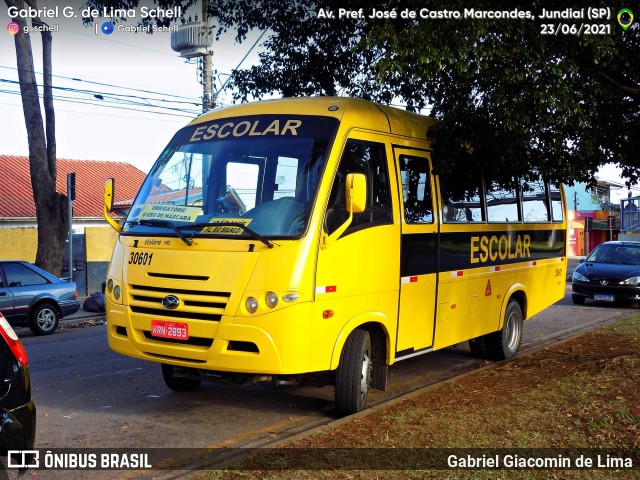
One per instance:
(463, 250)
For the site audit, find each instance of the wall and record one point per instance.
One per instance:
(99, 243)
(22, 243)
(18, 243)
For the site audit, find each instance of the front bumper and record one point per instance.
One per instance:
(617, 293)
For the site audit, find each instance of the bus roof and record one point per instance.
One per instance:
(358, 112)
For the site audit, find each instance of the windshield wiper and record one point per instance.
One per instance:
(162, 223)
(251, 232)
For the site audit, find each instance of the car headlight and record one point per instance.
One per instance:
(631, 281)
(579, 277)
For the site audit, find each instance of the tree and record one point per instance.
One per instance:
(510, 97)
(51, 209)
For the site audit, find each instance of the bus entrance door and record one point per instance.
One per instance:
(418, 258)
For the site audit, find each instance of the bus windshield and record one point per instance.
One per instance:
(236, 177)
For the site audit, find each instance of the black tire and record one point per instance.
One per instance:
(178, 383)
(44, 319)
(505, 342)
(577, 299)
(353, 376)
(478, 347)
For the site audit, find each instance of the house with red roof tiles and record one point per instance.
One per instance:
(93, 238)
(17, 207)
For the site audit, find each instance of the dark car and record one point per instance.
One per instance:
(17, 412)
(611, 273)
(31, 297)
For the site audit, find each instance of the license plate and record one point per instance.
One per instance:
(604, 298)
(173, 330)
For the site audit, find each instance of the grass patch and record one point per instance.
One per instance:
(583, 393)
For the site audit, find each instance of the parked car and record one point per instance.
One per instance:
(17, 410)
(611, 273)
(31, 297)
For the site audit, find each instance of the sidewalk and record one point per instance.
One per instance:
(82, 316)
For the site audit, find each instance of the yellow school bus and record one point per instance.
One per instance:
(312, 239)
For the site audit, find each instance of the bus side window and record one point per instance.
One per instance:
(370, 159)
(502, 204)
(416, 189)
(535, 204)
(462, 204)
(556, 203)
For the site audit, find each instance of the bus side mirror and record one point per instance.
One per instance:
(109, 190)
(355, 192)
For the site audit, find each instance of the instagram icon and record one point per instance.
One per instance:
(13, 28)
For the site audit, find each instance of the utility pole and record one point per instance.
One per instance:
(194, 40)
(207, 74)
(71, 196)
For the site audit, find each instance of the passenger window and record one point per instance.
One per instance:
(370, 159)
(462, 204)
(535, 205)
(20, 276)
(556, 203)
(416, 189)
(502, 205)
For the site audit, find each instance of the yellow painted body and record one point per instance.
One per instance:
(352, 281)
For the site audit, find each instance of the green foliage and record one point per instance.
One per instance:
(509, 98)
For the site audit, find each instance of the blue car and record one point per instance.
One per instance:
(611, 273)
(31, 297)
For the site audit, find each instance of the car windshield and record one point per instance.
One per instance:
(616, 253)
(244, 176)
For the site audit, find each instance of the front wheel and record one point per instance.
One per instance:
(175, 378)
(505, 343)
(353, 376)
(44, 319)
(577, 299)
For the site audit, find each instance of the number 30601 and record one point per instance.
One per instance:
(139, 258)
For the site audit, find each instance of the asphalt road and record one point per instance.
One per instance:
(90, 397)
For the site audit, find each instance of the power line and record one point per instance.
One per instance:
(111, 97)
(192, 100)
(119, 105)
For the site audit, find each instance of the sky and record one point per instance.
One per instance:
(148, 92)
(123, 68)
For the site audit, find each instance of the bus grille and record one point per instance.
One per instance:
(194, 304)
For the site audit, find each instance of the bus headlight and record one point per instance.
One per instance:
(252, 305)
(110, 285)
(116, 292)
(271, 299)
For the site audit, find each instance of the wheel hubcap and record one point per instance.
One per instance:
(512, 331)
(367, 367)
(46, 319)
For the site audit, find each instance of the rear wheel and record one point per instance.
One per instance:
(478, 347)
(353, 376)
(577, 299)
(175, 378)
(44, 319)
(505, 343)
